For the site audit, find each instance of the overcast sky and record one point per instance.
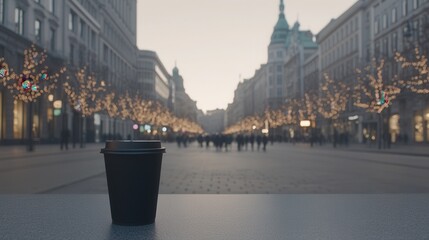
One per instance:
(214, 42)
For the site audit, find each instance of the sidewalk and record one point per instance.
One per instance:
(20, 151)
(401, 149)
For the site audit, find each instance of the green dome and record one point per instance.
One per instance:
(281, 29)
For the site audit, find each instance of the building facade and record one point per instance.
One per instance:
(213, 121)
(99, 35)
(184, 106)
(154, 80)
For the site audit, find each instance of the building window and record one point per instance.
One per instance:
(395, 41)
(51, 6)
(105, 53)
(418, 128)
(384, 21)
(426, 117)
(38, 30)
(82, 29)
(72, 54)
(19, 21)
(376, 26)
(394, 128)
(279, 54)
(386, 46)
(415, 4)
(404, 7)
(93, 40)
(53, 38)
(1, 11)
(279, 79)
(279, 92)
(18, 111)
(72, 21)
(394, 16)
(279, 68)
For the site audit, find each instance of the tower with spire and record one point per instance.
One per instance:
(279, 36)
(285, 43)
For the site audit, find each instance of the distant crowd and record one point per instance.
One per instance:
(224, 141)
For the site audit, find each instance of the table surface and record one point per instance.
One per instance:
(306, 216)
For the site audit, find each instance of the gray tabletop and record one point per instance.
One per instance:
(221, 217)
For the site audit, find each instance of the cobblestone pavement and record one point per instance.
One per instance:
(284, 168)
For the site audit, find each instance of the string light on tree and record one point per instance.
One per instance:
(371, 88)
(85, 93)
(333, 98)
(34, 80)
(419, 82)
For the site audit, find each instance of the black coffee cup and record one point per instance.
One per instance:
(133, 170)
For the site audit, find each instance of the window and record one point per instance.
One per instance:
(376, 26)
(395, 42)
(93, 40)
(1, 11)
(384, 21)
(279, 92)
(18, 111)
(404, 7)
(279, 68)
(415, 4)
(279, 54)
(72, 21)
(105, 53)
(53, 38)
(82, 29)
(386, 47)
(19, 21)
(377, 49)
(279, 79)
(271, 80)
(72, 54)
(38, 30)
(51, 6)
(394, 15)
(418, 128)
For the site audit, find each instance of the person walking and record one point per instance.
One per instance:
(264, 142)
(65, 134)
(258, 141)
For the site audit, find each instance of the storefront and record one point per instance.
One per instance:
(18, 119)
(394, 128)
(421, 126)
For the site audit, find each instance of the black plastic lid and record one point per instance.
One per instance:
(133, 146)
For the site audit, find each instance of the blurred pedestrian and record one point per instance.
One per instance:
(65, 135)
(252, 140)
(258, 141)
(264, 142)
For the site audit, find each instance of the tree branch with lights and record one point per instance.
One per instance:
(85, 93)
(372, 93)
(419, 81)
(35, 78)
(333, 98)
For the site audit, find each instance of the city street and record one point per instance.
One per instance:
(284, 168)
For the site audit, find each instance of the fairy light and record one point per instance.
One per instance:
(34, 80)
(333, 98)
(84, 94)
(371, 86)
(419, 83)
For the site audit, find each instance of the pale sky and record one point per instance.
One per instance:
(214, 42)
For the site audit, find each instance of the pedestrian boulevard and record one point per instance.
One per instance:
(283, 168)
